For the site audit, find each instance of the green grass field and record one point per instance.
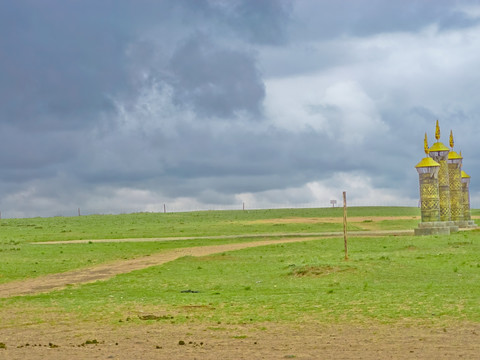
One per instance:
(432, 279)
(201, 223)
(22, 258)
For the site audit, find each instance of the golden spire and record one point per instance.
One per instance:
(425, 145)
(452, 143)
(437, 131)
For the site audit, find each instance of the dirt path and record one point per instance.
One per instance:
(241, 236)
(105, 271)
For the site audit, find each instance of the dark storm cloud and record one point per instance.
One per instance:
(238, 160)
(29, 152)
(67, 64)
(63, 61)
(60, 62)
(261, 21)
(215, 81)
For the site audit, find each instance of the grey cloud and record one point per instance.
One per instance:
(261, 21)
(197, 158)
(330, 19)
(25, 156)
(210, 196)
(56, 71)
(215, 81)
(63, 62)
(66, 65)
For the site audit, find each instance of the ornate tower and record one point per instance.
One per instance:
(439, 153)
(428, 170)
(454, 162)
(465, 178)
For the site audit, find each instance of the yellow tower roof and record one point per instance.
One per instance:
(438, 146)
(465, 175)
(452, 155)
(427, 162)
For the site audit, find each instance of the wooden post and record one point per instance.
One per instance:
(78, 211)
(345, 240)
(244, 206)
(164, 209)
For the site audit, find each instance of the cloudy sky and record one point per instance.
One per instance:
(126, 105)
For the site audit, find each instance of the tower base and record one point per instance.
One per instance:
(452, 225)
(435, 228)
(466, 224)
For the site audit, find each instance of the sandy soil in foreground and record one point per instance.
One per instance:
(158, 340)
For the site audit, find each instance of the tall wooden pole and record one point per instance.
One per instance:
(345, 240)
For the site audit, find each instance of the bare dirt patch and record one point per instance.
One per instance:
(310, 270)
(265, 341)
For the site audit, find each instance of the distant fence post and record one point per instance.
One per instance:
(244, 206)
(78, 211)
(345, 240)
(164, 209)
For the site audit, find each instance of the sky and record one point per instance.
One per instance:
(119, 106)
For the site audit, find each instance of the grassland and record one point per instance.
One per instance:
(387, 280)
(201, 223)
(22, 258)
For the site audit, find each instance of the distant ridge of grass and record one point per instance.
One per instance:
(196, 223)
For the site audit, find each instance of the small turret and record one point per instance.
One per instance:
(439, 153)
(454, 161)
